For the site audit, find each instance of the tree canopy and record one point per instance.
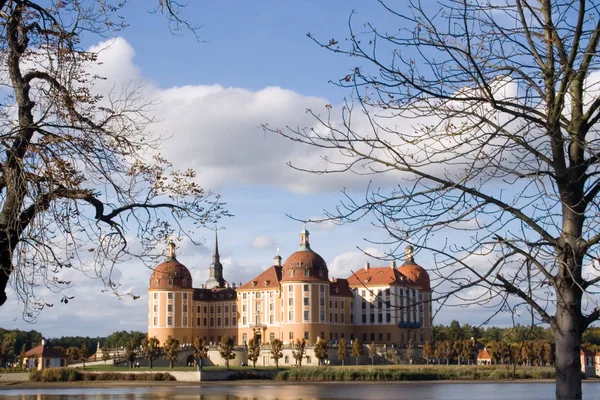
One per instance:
(479, 118)
(80, 172)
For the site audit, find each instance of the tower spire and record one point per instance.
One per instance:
(304, 242)
(171, 250)
(216, 254)
(216, 268)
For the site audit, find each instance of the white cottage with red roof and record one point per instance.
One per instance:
(44, 356)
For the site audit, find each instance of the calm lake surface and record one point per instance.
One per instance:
(375, 391)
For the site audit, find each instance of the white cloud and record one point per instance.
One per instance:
(263, 242)
(218, 132)
(344, 264)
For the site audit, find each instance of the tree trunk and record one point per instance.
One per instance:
(567, 338)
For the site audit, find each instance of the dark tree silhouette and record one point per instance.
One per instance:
(79, 171)
(483, 116)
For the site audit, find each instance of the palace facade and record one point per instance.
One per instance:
(292, 300)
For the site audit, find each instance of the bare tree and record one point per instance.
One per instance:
(483, 116)
(253, 350)
(298, 351)
(79, 171)
(150, 350)
(342, 350)
(276, 351)
(200, 351)
(320, 350)
(226, 350)
(171, 349)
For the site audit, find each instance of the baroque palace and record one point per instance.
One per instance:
(292, 300)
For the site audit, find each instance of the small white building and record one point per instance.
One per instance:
(43, 356)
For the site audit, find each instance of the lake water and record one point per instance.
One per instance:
(310, 391)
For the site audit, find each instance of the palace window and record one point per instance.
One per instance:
(291, 316)
(306, 272)
(306, 335)
(306, 301)
(245, 338)
(185, 308)
(291, 273)
(306, 288)
(170, 281)
(170, 308)
(184, 323)
(306, 315)
(156, 282)
(291, 336)
(170, 296)
(170, 321)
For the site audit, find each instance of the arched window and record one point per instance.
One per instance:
(156, 282)
(170, 281)
(184, 282)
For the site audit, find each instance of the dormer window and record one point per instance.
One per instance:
(321, 274)
(291, 273)
(184, 282)
(170, 281)
(306, 272)
(156, 282)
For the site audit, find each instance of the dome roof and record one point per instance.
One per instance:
(171, 274)
(417, 274)
(413, 271)
(305, 264)
(302, 261)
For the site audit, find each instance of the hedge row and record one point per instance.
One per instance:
(72, 375)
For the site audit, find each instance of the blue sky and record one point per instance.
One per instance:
(255, 65)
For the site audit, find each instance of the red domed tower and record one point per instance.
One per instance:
(414, 272)
(170, 300)
(418, 278)
(305, 290)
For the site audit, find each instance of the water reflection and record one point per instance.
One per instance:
(320, 391)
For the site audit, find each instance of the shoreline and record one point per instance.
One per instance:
(116, 384)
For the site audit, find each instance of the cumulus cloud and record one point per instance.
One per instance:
(263, 242)
(218, 132)
(344, 264)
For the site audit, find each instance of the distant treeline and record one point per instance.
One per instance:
(516, 334)
(14, 343)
